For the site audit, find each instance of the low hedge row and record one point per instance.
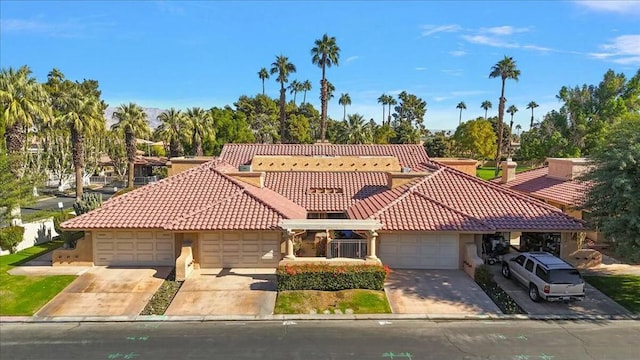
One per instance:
(10, 237)
(331, 278)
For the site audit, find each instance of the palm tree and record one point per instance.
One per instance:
(81, 113)
(283, 68)
(132, 121)
(355, 131)
(518, 128)
(172, 123)
(22, 102)
(294, 88)
(486, 105)
(199, 127)
(503, 69)
(532, 105)
(391, 102)
(263, 74)
(325, 53)
(384, 100)
(344, 100)
(462, 106)
(306, 86)
(511, 110)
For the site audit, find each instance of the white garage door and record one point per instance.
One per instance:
(240, 249)
(122, 248)
(419, 251)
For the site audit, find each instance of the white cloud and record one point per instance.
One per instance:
(503, 30)
(458, 53)
(70, 28)
(428, 30)
(453, 72)
(615, 6)
(170, 7)
(352, 58)
(624, 50)
(441, 98)
(489, 41)
(421, 68)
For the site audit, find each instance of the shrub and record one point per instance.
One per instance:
(330, 278)
(88, 202)
(10, 237)
(69, 237)
(483, 275)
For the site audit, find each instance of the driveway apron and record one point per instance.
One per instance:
(436, 292)
(107, 291)
(226, 292)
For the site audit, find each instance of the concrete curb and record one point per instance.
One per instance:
(316, 317)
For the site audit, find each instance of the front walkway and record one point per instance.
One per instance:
(226, 292)
(436, 292)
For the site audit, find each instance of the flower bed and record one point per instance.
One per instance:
(331, 278)
(484, 278)
(161, 300)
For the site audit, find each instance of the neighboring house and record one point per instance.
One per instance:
(252, 205)
(556, 184)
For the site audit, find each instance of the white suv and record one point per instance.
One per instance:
(547, 277)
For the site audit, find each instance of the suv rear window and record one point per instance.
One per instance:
(565, 276)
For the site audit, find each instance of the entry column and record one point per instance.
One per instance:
(290, 254)
(372, 236)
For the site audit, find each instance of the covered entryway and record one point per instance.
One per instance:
(133, 248)
(419, 251)
(240, 249)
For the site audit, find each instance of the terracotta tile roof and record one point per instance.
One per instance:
(239, 154)
(184, 200)
(454, 200)
(354, 186)
(536, 183)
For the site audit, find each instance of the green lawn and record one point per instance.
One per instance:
(359, 300)
(24, 295)
(488, 173)
(624, 289)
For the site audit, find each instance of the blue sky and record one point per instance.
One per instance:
(181, 54)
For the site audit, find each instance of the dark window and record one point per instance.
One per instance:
(529, 265)
(542, 273)
(520, 260)
(565, 276)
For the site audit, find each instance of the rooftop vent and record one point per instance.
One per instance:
(244, 168)
(405, 170)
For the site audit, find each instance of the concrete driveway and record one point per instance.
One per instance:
(107, 291)
(595, 302)
(436, 292)
(226, 292)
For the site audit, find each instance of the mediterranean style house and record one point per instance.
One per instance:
(259, 205)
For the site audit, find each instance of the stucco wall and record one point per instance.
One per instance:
(35, 233)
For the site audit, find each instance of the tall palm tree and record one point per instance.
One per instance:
(283, 68)
(384, 100)
(81, 113)
(503, 69)
(344, 100)
(325, 53)
(532, 105)
(391, 102)
(306, 86)
(486, 105)
(355, 130)
(172, 122)
(263, 74)
(199, 127)
(22, 102)
(511, 110)
(518, 128)
(294, 88)
(132, 121)
(462, 106)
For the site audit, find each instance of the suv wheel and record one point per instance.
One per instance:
(534, 295)
(506, 272)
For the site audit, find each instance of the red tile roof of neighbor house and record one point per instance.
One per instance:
(537, 183)
(241, 154)
(202, 198)
(449, 200)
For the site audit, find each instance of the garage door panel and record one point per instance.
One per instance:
(164, 246)
(105, 246)
(419, 251)
(250, 249)
(116, 249)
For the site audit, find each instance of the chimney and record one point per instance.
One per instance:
(508, 171)
(395, 179)
(254, 178)
(567, 169)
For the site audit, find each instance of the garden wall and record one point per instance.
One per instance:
(35, 233)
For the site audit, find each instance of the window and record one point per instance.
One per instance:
(565, 276)
(520, 260)
(529, 265)
(542, 273)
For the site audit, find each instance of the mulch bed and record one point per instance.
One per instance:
(161, 300)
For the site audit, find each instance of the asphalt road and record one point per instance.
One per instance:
(367, 339)
(67, 201)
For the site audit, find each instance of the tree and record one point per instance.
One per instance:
(613, 199)
(170, 130)
(531, 105)
(408, 122)
(263, 74)
(294, 88)
(305, 86)
(486, 105)
(475, 139)
(261, 113)
(132, 122)
(22, 101)
(504, 69)
(14, 192)
(391, 101)
(511, 110)
(199, 128)
(518, 128)
(384, 100)
(325, 53)
(355, 131)
(283, 68)
(462, 106)
(344, 100)
(438, 144)
(231, 127)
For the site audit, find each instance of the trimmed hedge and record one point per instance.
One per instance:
(331, 278)
(10, 237)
